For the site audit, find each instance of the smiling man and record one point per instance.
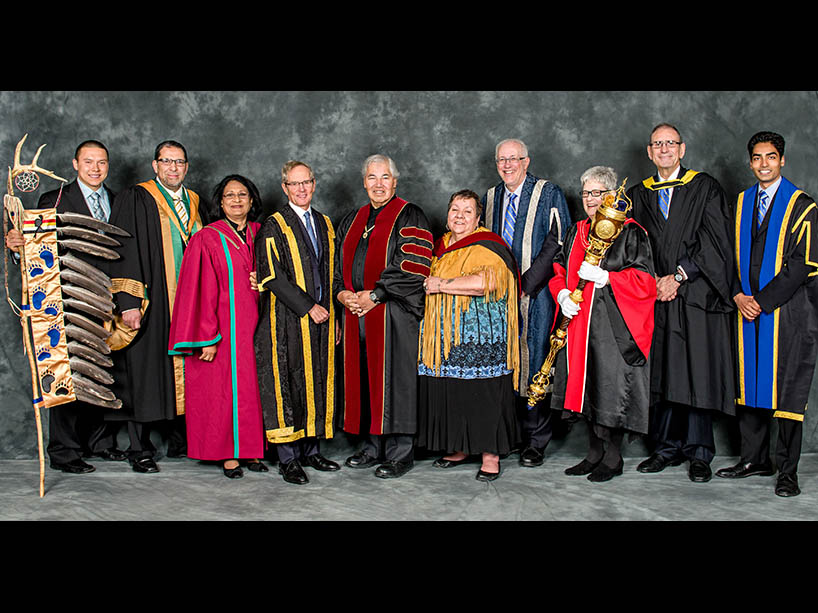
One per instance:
(385, 250)
(688, 221)
(776, 291)
(524, 210)
(161, 215)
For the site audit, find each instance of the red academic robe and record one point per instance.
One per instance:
(216, 306)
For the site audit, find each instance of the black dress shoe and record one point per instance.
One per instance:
(112, 455)
(233, 473)
(392, 469)
(257, 467)
(145, 465)
(293, 473)
(657, 463)
(699, 471)
(319, 462)
(583, 468)
(745, 469)
(482, 475)
(444, 463)
(532, 456)
(603, 472)
(75, 467)
(360, 460)
(787, 485)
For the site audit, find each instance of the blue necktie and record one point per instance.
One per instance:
(311, 232)
(664, 201)
(509, 220)
(762, 206)
(96, 206)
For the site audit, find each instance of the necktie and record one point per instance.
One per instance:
(763, 203)
(311, 231)
(664, 201)
(96, 206)
(180, 210)
(509, 220)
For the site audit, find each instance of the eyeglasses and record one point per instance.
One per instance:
(671, 144)
(235, 196)
(594, 193)
(511, 160)
(168, 162)
(297, 184)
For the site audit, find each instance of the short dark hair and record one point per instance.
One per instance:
(89, 143)
(168, 143)
(467, 194)
(255, 208)
(776, 140)
(667, 125)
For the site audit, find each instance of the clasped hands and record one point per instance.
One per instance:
(747, 305)
(359, 303)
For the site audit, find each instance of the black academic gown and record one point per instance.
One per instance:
(296, 357)
(143, 371)
(76, 425)
(387, 403)
(692, 355)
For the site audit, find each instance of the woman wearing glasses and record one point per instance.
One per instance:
(214, 319)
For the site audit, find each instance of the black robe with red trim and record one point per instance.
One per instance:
(604, 370)
(381, 397)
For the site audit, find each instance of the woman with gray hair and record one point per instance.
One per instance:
(604, 371)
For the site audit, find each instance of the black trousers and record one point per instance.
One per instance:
(174, 431)
(682, 432)
(297, 450)
(76, 429)
(754, 427)
(536, 423)
(389, 447)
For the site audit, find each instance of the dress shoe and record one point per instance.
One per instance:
(444, 463)
(233, 473)
(482, 475)
(112, 455)
(787, 485)
(257, 467)
(603, 472)
(656, 464)
(360, 460)
(145, 465)
(293, 473)
(76, 467)
(745, 469)
(699, 471)
(392, 469)
(319, 462)
(583, 468)
(532, 456)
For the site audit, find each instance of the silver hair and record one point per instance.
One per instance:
(380, 158)
(604, 174)
(516, 141)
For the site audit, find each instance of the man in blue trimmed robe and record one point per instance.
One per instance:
(776, 291)
(531, 215)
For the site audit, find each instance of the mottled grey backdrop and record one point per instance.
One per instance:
(441, 141)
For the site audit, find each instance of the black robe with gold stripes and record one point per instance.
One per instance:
(295, 356)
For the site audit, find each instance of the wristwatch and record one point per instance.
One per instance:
(680, 275)
(374, 297)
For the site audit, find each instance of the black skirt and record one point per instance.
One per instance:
(469, 415)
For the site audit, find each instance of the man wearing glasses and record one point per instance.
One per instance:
(687, 218)
(161, 215)
(298, 331)
(524, 210)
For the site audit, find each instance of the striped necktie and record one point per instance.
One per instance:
(763, 204)
(181, 210)
(96, 206)
(664, 201)
(311, 231)
(509, 220)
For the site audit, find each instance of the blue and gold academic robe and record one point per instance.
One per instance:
(778, 265)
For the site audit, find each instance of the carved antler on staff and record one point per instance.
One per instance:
(23, 168)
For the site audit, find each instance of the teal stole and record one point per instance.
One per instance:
(758, 353)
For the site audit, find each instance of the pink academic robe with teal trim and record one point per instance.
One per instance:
(215, 305)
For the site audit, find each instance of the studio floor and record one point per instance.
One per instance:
(188, 490)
